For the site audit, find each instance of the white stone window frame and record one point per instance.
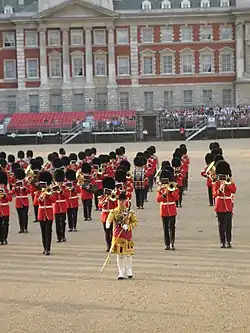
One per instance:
(146, 5)
(226, 26)
(182, 34)
(185, 4)
(162, 34)
(205, 3)
(28, 60)
(147, 54)
(119, 58)
(143, 34)
(121, 102)
(33, 36)
(190, 53)
(167, 53)
(58, 57)
(202, 33)
(101, 55)
(103, 40)
(206, 52)
(77, 55)
(166, 4)
(122, 30)
(191, 93)
(9, 38)
(8, 10)
(14, 77)
(225, 51)
(224, 3)
(78, 33)
(57, 37)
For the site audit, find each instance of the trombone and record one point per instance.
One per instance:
(170, 187)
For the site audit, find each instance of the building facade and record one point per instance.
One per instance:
(123, 54)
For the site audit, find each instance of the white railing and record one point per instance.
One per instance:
(71, 134)
(200, 127)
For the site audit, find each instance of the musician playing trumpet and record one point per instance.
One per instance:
(223, 190)
(72, 202)
(208, 172)
(86, 183)
(167, 196)
(5, 199)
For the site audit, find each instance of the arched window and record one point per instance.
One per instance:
(185, 4)
(205, 3)
(8, 10)
(146, 4)
(166, 4)
(224, 3)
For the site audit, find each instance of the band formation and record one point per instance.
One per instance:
(107, 180)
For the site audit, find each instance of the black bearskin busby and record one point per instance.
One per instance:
(57, 163)
(153, 149)
(62, 151)
(96, 161)
(3, 178)
(59, 175)
(20, 174)
(93, 151)
(209, 158)
(123, 150)
(55, 154)
(139, 161)
(112, 155)
(118, 151)
(108, 183)
(122, 196)
(166, 176)
(29, 154)
(45, 177)
(120, 176)
(214, 146)
(81, 155)
(11, 158)
(176, 162)
(3, 155)
(21, 154)
(125, 164)
(101, 158)
(140, 154)
(73, 157)
(35, 165)
(70, 175)
(165, 165)
(3, 163)
(223, 168)
(87, 152)
(218, 158)
(106, 159)
(86, 168)
(14, 167)
(65, 161)
(40, 159)
(147, 154)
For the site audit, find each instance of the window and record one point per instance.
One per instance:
(11, 103)
(149, 100)
(167, 64)
(55, 68)
(34, 103)
(76, 37)
(101, 101)
(166, 4)
(100, 65)
(227, 62)
(188, 96)
(10, 69)
(227, 97)
(77, 66)
(122, 36)
(206, 63)
(168, 98)
(123, 65)
(186, 34)
(99, 36)
(32, 68)
(205, 3)
(147, 65)
(56, 102)
(187, 62)
(185, 4)
(54, 38)
(166, 34)
(147, 35)
(207, 97)
(224, 3)
(9, 39)
(146, 5)
(8, 10)
(31, 38)
(124, 101)
(206, 33)
(226, 32)
(78, 102)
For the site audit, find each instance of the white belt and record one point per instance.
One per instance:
(44, 207)
(167, 203)
(21, 196)
(99, 180)
(224, 197)
(106, 210)
(73, 198)
(60, 201)
(4, 204)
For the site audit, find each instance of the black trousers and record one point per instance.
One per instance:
(210, 196)
(4, 228)
(145, 137)
(36, 212)
(87, 208)
(139, 196)
(60, 220)
(46, 229)
(108, 235)
(97, 194)
(185, 182)
(225, 227)
(146, 190)
(72, 217)
(23, 217)
(179, 202)
(151, 182)
(169, 229)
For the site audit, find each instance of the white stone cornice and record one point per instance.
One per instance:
(77, 53)
(167, 50)
(54, 54)
(147, 51)
(187, 50)
(100, 52)
(206, 50)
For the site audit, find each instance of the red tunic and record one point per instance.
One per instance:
(97, 179)
(209, 180)
(179, 179)
(45, 203)
(23, 164)
(60, 205)
(72, 201)
(168, 205)
(223, 200)
(21, 194)
(106, 206)
(4, 203)
(74, 167)
(11, 180)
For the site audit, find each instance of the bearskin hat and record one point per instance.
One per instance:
(118, 151)
(19, 174)
(147, 154)
(218, 158)
(57, 163)
(122, 196)
(178, 151)
(153, 149)
(183, 150)
(96, 161)
(120, 176)
(123, 150)
(125, 164)
(3, 178)
(139, 161)
(166, 174)
(11, 158)
(21, 154)
(177, 155)
(81, 155)
(35, 165)
(182, 145)
(40, 159)
(140, 154)
(106, 158)
(214, 145)
(46, 177)
(3, 163)
(222, 168)
(55, 154)
(72, 157)
(70, 175)
(108, 183)
(176, 162)
(3, 155)
(15, 166)
(87, 152)
(165, 164)
(101, 158)
(62, 151)
(112, 155)
(65, 161)
(50, 157)
(209, 158)
(86, 168)
(93, 150)
(59, 175)
(29, 153)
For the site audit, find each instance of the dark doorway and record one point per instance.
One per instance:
(149, 123)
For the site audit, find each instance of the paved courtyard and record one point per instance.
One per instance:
(199, 288)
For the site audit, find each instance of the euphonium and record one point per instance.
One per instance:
(2, 192)
(171, 187)
(112, 196)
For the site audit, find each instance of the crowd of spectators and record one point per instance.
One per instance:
(227, 116)
(119, 124)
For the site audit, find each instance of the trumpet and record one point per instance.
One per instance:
(170, 187)
(2, 193)
(112, 196)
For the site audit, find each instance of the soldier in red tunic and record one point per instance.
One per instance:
(21, 160)
(167, 195)
(113, 161)
(73, 162)
(86, 191)
(29, 156)
(139, 177)
(208, 172)
(178, 176)
(93, 152)
(5, 199)
(185, 164)
(72, 202)
(98, 175)
(62, 152)
(223, 190)
(65, 162)
(45, 198)
(11, 175)
(82, 159)
(33, 180)
(10, 159)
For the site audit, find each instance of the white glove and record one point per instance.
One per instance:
(125, 227)
(107, 225)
